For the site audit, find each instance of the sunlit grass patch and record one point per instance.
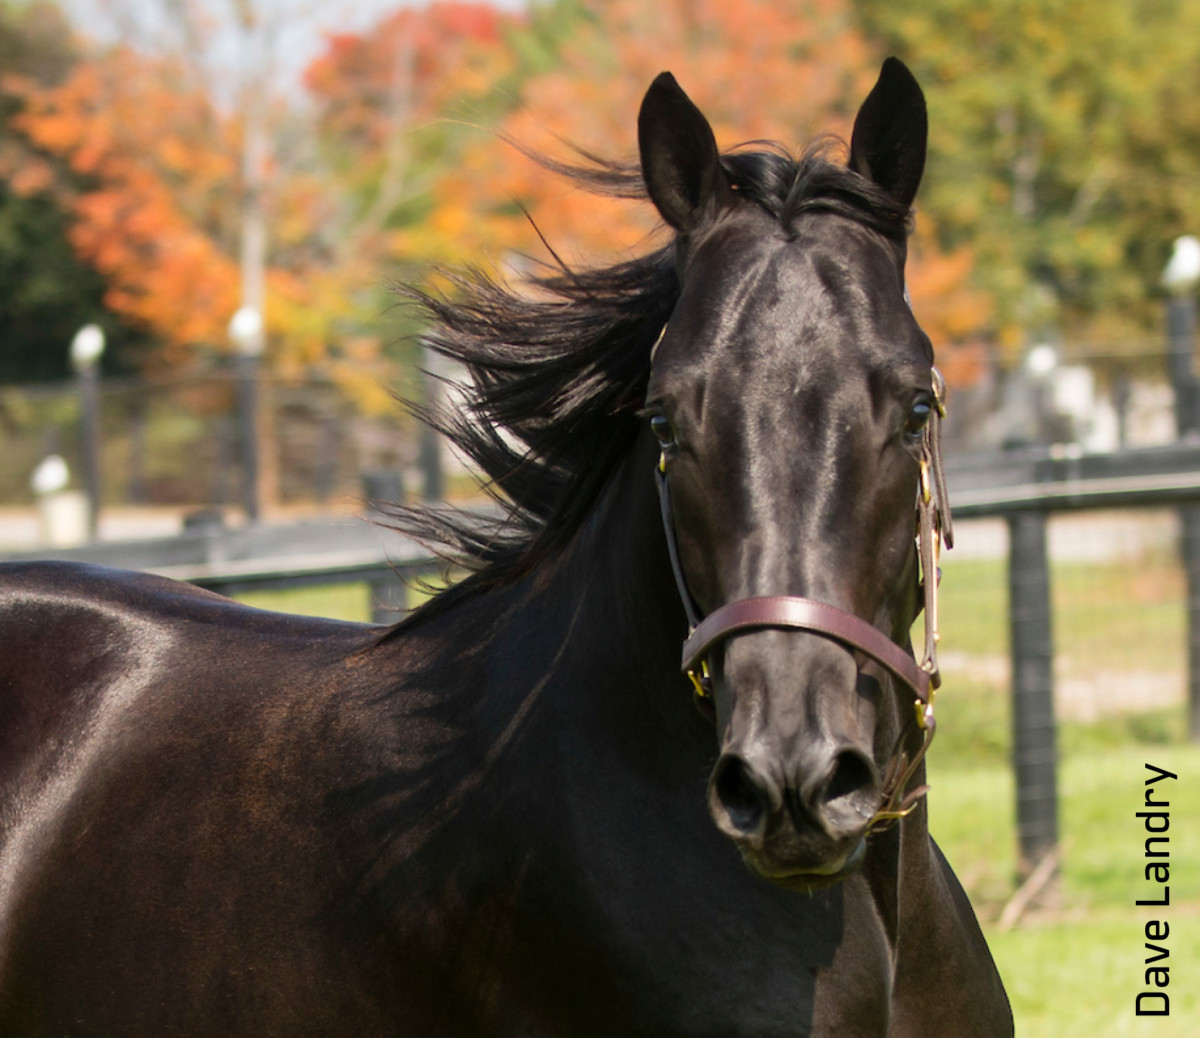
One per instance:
(336, 601)
(1078, 977)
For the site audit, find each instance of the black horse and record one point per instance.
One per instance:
(497, 817)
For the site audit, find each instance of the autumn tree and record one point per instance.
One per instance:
(151, 177)
(789, 71)
(396, 174)
(396, 107)
(148, 165)
(46, 291)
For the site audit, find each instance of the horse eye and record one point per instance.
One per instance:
(662, 430)
(918, 418)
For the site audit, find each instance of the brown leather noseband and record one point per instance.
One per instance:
(795, 613)
(806, 615)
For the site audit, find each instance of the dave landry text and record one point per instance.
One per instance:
(1156, 818)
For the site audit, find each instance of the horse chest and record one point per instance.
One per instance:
(642, 921)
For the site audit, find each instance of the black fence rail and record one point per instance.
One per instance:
(388, 581)
(233, 560)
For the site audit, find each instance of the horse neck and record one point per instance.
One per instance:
(609, 612)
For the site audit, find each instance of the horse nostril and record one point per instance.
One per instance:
(849, 796)
(852, 773)
(744, 801)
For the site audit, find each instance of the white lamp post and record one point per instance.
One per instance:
(87, 347)
(246, 332)
(86, 350)
(1040, 364)
(1041, 360)
(1182, 272)
(1180, 278)
(247, 335)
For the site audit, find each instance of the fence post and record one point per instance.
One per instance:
(1035, 752)
(247, 395)
(389, 599)
(382, 487)
(1181, 347)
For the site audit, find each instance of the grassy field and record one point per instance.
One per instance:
(1074, 970)
(1105, 615)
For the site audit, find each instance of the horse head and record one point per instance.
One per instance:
(790, 393)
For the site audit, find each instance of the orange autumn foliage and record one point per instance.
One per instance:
(156, 164)
(782, 70)
(385, 99)
(422, 58)
(154, 175)
(154, 187)
(950, 311)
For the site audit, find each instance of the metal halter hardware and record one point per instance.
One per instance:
(789, 611)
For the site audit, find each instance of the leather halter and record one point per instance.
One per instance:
(792, 612)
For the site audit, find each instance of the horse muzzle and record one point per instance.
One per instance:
(806, 832)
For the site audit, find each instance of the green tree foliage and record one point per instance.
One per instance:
(1065, 144)
(46, 293)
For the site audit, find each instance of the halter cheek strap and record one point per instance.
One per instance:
(792, 612)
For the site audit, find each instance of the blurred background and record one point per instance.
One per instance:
(206, 205)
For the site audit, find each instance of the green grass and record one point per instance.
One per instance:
(338, 601)
(1078, 978)
(973, 602)
(971, 816)
(1121, 616)
(975, 726)
(1077, 971)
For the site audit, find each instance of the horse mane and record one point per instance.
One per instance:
(558, 366)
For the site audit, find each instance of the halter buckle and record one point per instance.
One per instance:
(939, 391)
(924, 711)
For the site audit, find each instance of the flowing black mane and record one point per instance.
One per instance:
(558, 367)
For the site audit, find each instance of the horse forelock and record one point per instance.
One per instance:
(787, 187)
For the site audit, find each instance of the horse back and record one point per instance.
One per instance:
(164, 755)
(79, 643)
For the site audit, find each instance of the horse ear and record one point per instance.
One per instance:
(890, 131)
(680, 162)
